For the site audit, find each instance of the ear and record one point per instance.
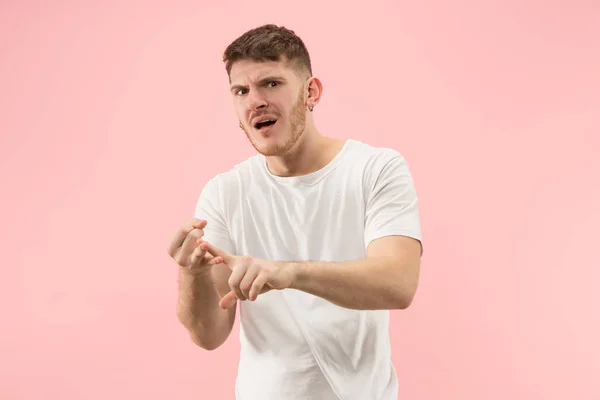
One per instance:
(314, 91)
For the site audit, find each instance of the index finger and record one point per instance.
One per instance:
(216, 252)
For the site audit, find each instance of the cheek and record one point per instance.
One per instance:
(240, 111)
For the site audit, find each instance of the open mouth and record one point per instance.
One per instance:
(262, 125)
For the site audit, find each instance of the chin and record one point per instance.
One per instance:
(271, 149)
(276, 142)
(272, 146)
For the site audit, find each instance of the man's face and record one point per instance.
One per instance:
(270, 103)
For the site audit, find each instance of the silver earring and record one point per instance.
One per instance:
(311, 108)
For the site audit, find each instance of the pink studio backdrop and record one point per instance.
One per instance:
(112, 117)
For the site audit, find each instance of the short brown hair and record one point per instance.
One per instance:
(269, 43)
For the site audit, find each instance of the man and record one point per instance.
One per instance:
(316, 239)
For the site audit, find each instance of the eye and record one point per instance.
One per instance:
(241, 91)
(272, 83)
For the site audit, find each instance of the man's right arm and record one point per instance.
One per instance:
(198, 306)
(201, 286)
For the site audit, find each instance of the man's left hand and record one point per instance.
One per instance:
(250, 276)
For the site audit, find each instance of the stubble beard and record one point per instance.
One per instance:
(297, 125)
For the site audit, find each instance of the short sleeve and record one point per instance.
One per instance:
(391, 202)
(210, 207)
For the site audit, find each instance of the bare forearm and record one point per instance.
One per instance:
(198, 310)
(368, 284)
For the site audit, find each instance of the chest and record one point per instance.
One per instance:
(322, 222)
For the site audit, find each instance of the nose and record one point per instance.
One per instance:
(256, 101)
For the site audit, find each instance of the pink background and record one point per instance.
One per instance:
(112, 117)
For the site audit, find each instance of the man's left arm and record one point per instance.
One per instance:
(386, 279)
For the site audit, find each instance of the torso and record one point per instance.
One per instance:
(293, 344)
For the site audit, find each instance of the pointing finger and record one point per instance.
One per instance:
(216, 252)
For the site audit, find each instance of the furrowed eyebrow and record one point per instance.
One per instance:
(271, 78)
(235, 88)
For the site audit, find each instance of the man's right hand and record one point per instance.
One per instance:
(185, 247)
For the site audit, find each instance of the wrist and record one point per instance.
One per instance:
(197, 273)
(296, 271)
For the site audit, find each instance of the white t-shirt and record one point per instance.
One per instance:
(295, 345)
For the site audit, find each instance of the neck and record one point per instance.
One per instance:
(312, 152)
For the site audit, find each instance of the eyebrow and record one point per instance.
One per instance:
(260, 82)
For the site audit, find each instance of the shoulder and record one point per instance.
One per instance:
(235, 177)
(224, 189)
(369, 150)
(373, 161)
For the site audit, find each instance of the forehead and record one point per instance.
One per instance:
(245, 72)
